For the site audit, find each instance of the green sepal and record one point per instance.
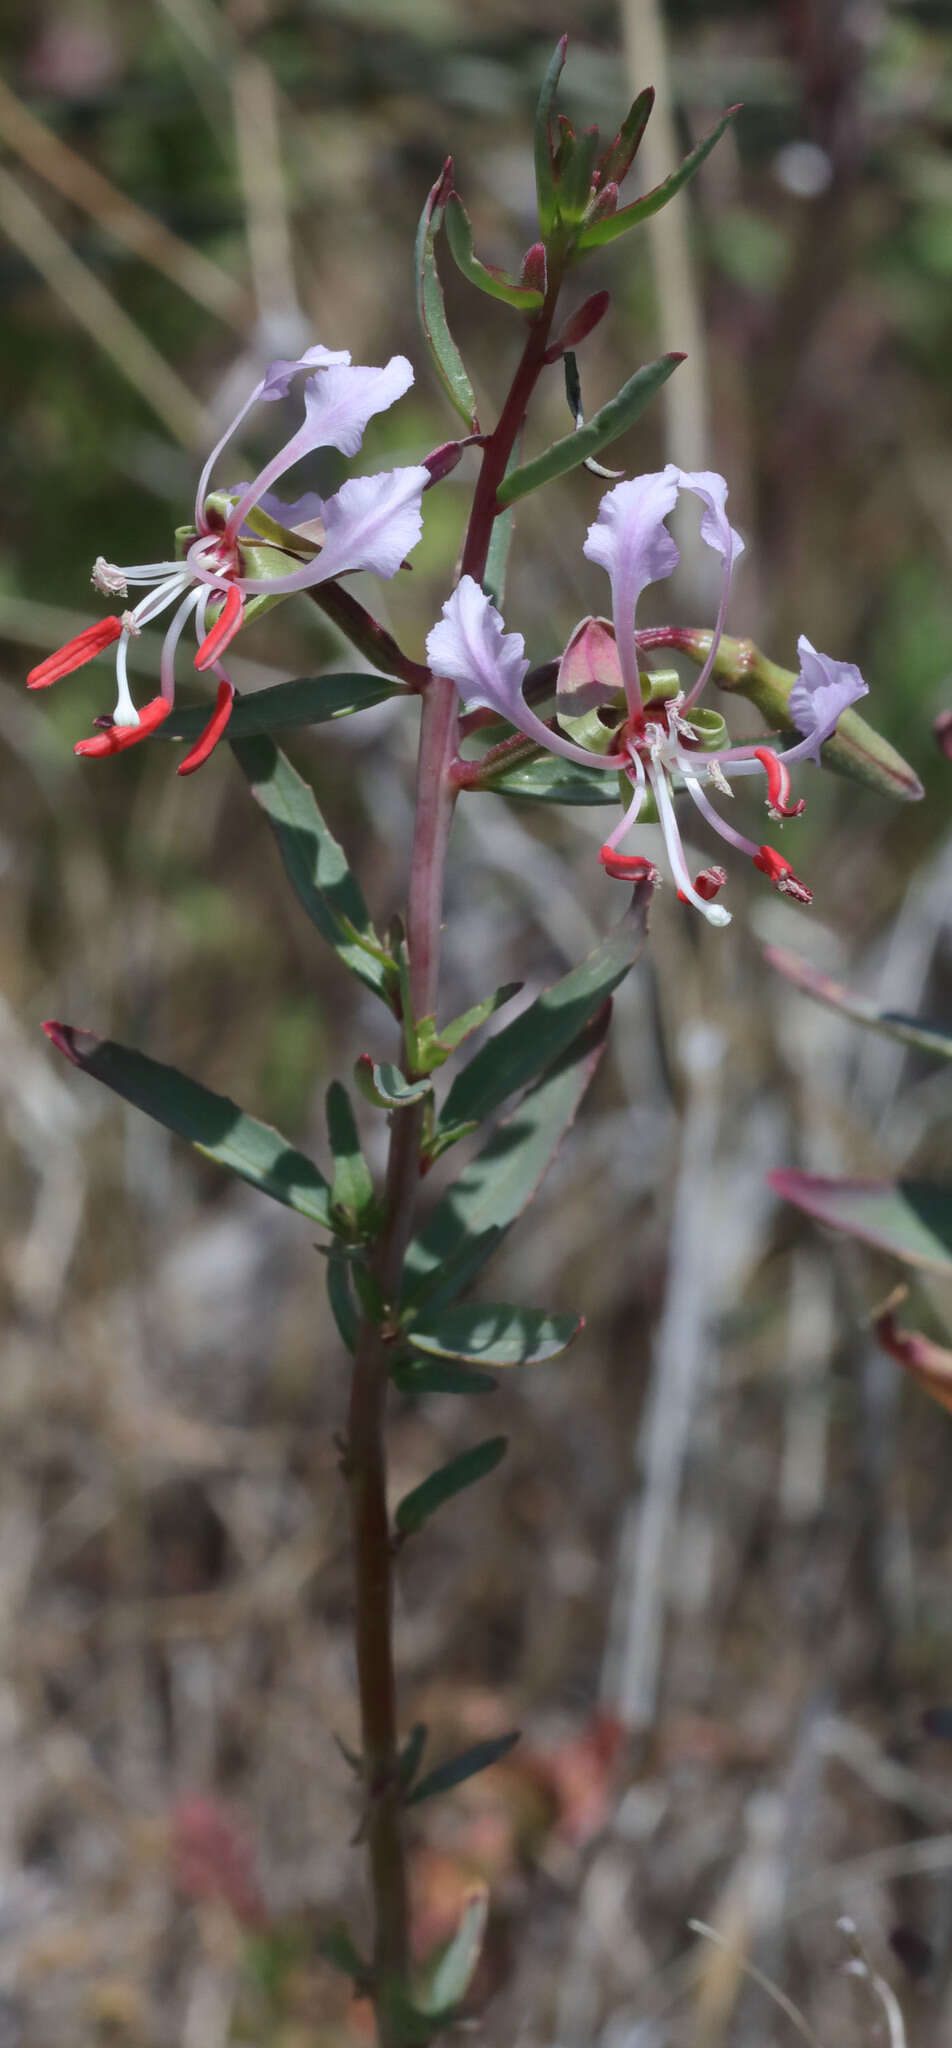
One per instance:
(458, 1768)
(308, 700)
(445, 355)
(485, 277)
(599, 232)
(412, 1376)
(446, 1976)
(854, 749)
(444, 1484)
(491, 1333)
(471, 1219)
(337, 1948)
(912, 1031)
(254, 1151)
(542, 141)
(910, 1219)
(382, 1084)
(605, 426)
(315, 863)
(550, 1026)
(353, 1202)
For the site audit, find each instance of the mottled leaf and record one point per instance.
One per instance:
(492, 1333)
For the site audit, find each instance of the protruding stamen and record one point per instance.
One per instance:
(778, 785)
(780, 873)
(227, 624)
(672, 839)
(91, 641)
(209, 739)
(121, 736)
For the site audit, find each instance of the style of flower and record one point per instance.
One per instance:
(371, 522)
(657, 744)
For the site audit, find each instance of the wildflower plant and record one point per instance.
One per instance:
(601, 727)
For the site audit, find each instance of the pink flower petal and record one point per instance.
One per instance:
(372, 522)
(629, 539)
(276, 381)
(823, 690)
(340, 401)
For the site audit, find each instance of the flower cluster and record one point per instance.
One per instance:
(372, 522)
(655, 743)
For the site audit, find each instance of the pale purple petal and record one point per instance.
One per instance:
(630, 540)
(471, 647)
(716, 528)
(372, 522)
(301, 512)
(823, 690)
(276, 381)
(339, 402)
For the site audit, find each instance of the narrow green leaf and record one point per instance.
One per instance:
(308, 700)
(446, 356)
(446, 1977)
(413, 1377)
(605, 426)
(542, 139)
(551, 780)
(314, 862)
(352, 1190)
(550, 1025)
(618, 159)
(497, 560)
(492, 1333)
(343, 1306)
(385, 1086)
(575, 181)
(214, 1125)
(910, 1219)
(435, 1043)
(493, 1189)
(931, 1038)
(446, 1776)
(337, 1948)
(408, 1762)
(485, 277)
(612, 225)
(416, 1508)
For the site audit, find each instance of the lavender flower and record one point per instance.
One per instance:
(372, 522)
(656, 746)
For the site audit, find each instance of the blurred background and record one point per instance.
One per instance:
(712, 1581)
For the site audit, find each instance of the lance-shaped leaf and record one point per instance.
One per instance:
(547, 779)
(415, 1377)
(486, 277)
(617, 161)
(434, 1043)
(342, 1303)
(497, 560)
(492, 1333)
(476, 1211)
(308, 700)
(599, 232)
(910, 1219)
(550, 1025)
(385, 1086)
(212, 1123)
(447, 360)
(416, 1508)
(458, 1768)
(605, 426)
(855, 748)
(353, 1204)
(447, 1975)
(315, 863)
(929, 1038)
(576, 171)
(542, 140)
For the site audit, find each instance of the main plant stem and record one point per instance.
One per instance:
(366, 1462)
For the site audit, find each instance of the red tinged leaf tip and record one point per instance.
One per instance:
(209, 739)
(778, 785)
(780, 873)
(942, 729)
(74, 1045)
(119, 737)
(223, 631)
(579, 325)
(91, 641)
(629, 867)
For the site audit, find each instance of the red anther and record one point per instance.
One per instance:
(780, 873)
(778, 785)
(223, 631)
(213, 731)
(709, 881)
(119, 737)
(629, 867)
(87, 644)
